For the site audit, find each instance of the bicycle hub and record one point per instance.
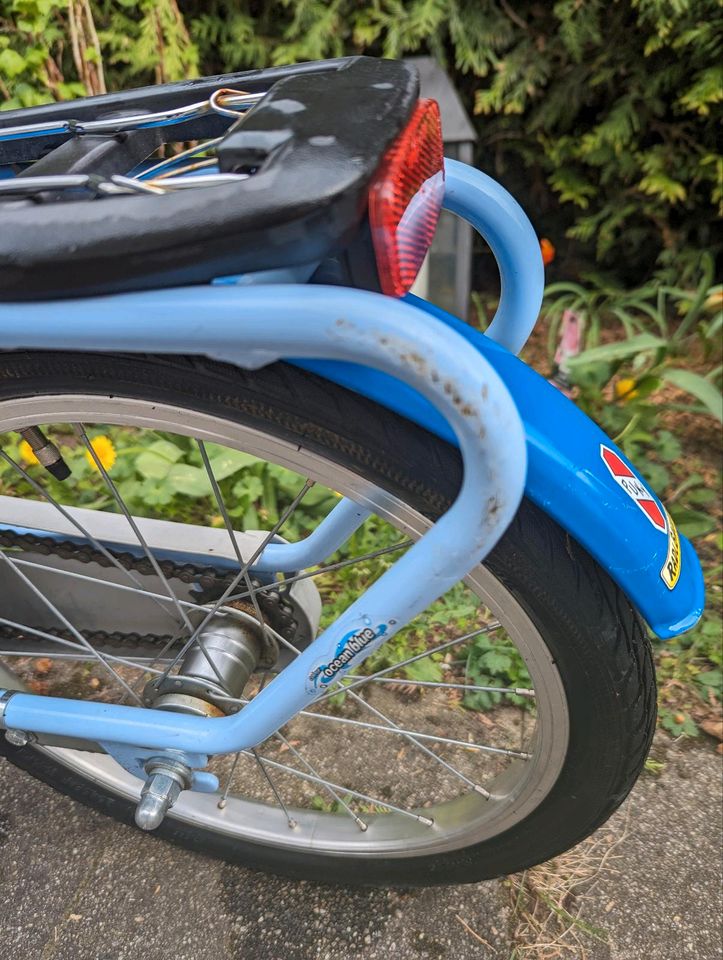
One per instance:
(215, 669)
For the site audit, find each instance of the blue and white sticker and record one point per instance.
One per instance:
(347, 649)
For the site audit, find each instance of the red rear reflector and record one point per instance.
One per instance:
(405, 199)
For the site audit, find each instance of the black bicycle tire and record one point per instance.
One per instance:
(599, 643)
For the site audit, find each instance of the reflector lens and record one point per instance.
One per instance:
(405, 199)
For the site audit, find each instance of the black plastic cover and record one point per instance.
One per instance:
(315, 142)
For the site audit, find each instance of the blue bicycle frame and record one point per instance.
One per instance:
(517, 436)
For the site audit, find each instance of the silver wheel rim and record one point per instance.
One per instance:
(465, 821)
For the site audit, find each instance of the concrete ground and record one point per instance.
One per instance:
(75, 886)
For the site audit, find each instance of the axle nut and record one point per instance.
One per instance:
(18, 738)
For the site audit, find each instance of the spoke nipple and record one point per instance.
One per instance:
(427, 821)
(292, 824)
(362, 826)
(481, 790)
(221, 804)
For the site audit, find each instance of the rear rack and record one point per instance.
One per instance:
(166, 97)
(311, 139)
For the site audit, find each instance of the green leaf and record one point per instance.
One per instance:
(152, 493)
(151, 466)
(698, 387)
(317, 495)
(692, 523)
(228, 462)
(668, 446)
(658, 185)
(251, 519)
(188, 480)
(166, 449)
(248, 489)
(710, 678)
(496, 662)
(701, 495)
(425, 669)
(155, 462)
(11, 63)
(618, 351)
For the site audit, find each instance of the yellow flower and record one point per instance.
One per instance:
(714, 300)
(625, 389)
(26, 452)
(104, 450)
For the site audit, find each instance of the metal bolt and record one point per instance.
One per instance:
(18, 738)
(163, 787)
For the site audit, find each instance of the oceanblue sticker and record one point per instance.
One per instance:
(349, 647)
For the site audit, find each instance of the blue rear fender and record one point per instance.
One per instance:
(596, 496)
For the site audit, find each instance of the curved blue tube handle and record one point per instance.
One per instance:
(252, 327)
(502, 222)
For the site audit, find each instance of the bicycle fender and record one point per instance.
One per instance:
(575, 474)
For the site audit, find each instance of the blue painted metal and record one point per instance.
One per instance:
(333, 531)
(134, 759)
(499, 218)
(404, 355)
(566, 477)
(252, 327)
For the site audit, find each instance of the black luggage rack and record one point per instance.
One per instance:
(295, 149)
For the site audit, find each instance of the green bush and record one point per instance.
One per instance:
(600, 115)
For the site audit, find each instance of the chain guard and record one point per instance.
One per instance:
(277, 606)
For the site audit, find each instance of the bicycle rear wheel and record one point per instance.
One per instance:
(476, 769)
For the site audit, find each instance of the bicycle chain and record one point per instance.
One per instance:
(210, 584)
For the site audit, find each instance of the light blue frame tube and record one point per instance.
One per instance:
(252, 327)
(499, 218)
(334, 530)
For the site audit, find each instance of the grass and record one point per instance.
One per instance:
(548, 902)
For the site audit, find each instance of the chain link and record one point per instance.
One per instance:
(209, 582)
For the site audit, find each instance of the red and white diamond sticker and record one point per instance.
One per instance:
(634, 488)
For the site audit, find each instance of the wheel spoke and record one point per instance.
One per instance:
(224, 796)
(338, 788)
(469, 687)
(329, 787)
(111, 584)
(320, 571)
(220, 502)
(308, 484)
(267, 776)
(411, 738)
(91, 654)
(69, 626)
(83, 436)
(428, 773)
(400, 731)
(78, 526)
(355, 682)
